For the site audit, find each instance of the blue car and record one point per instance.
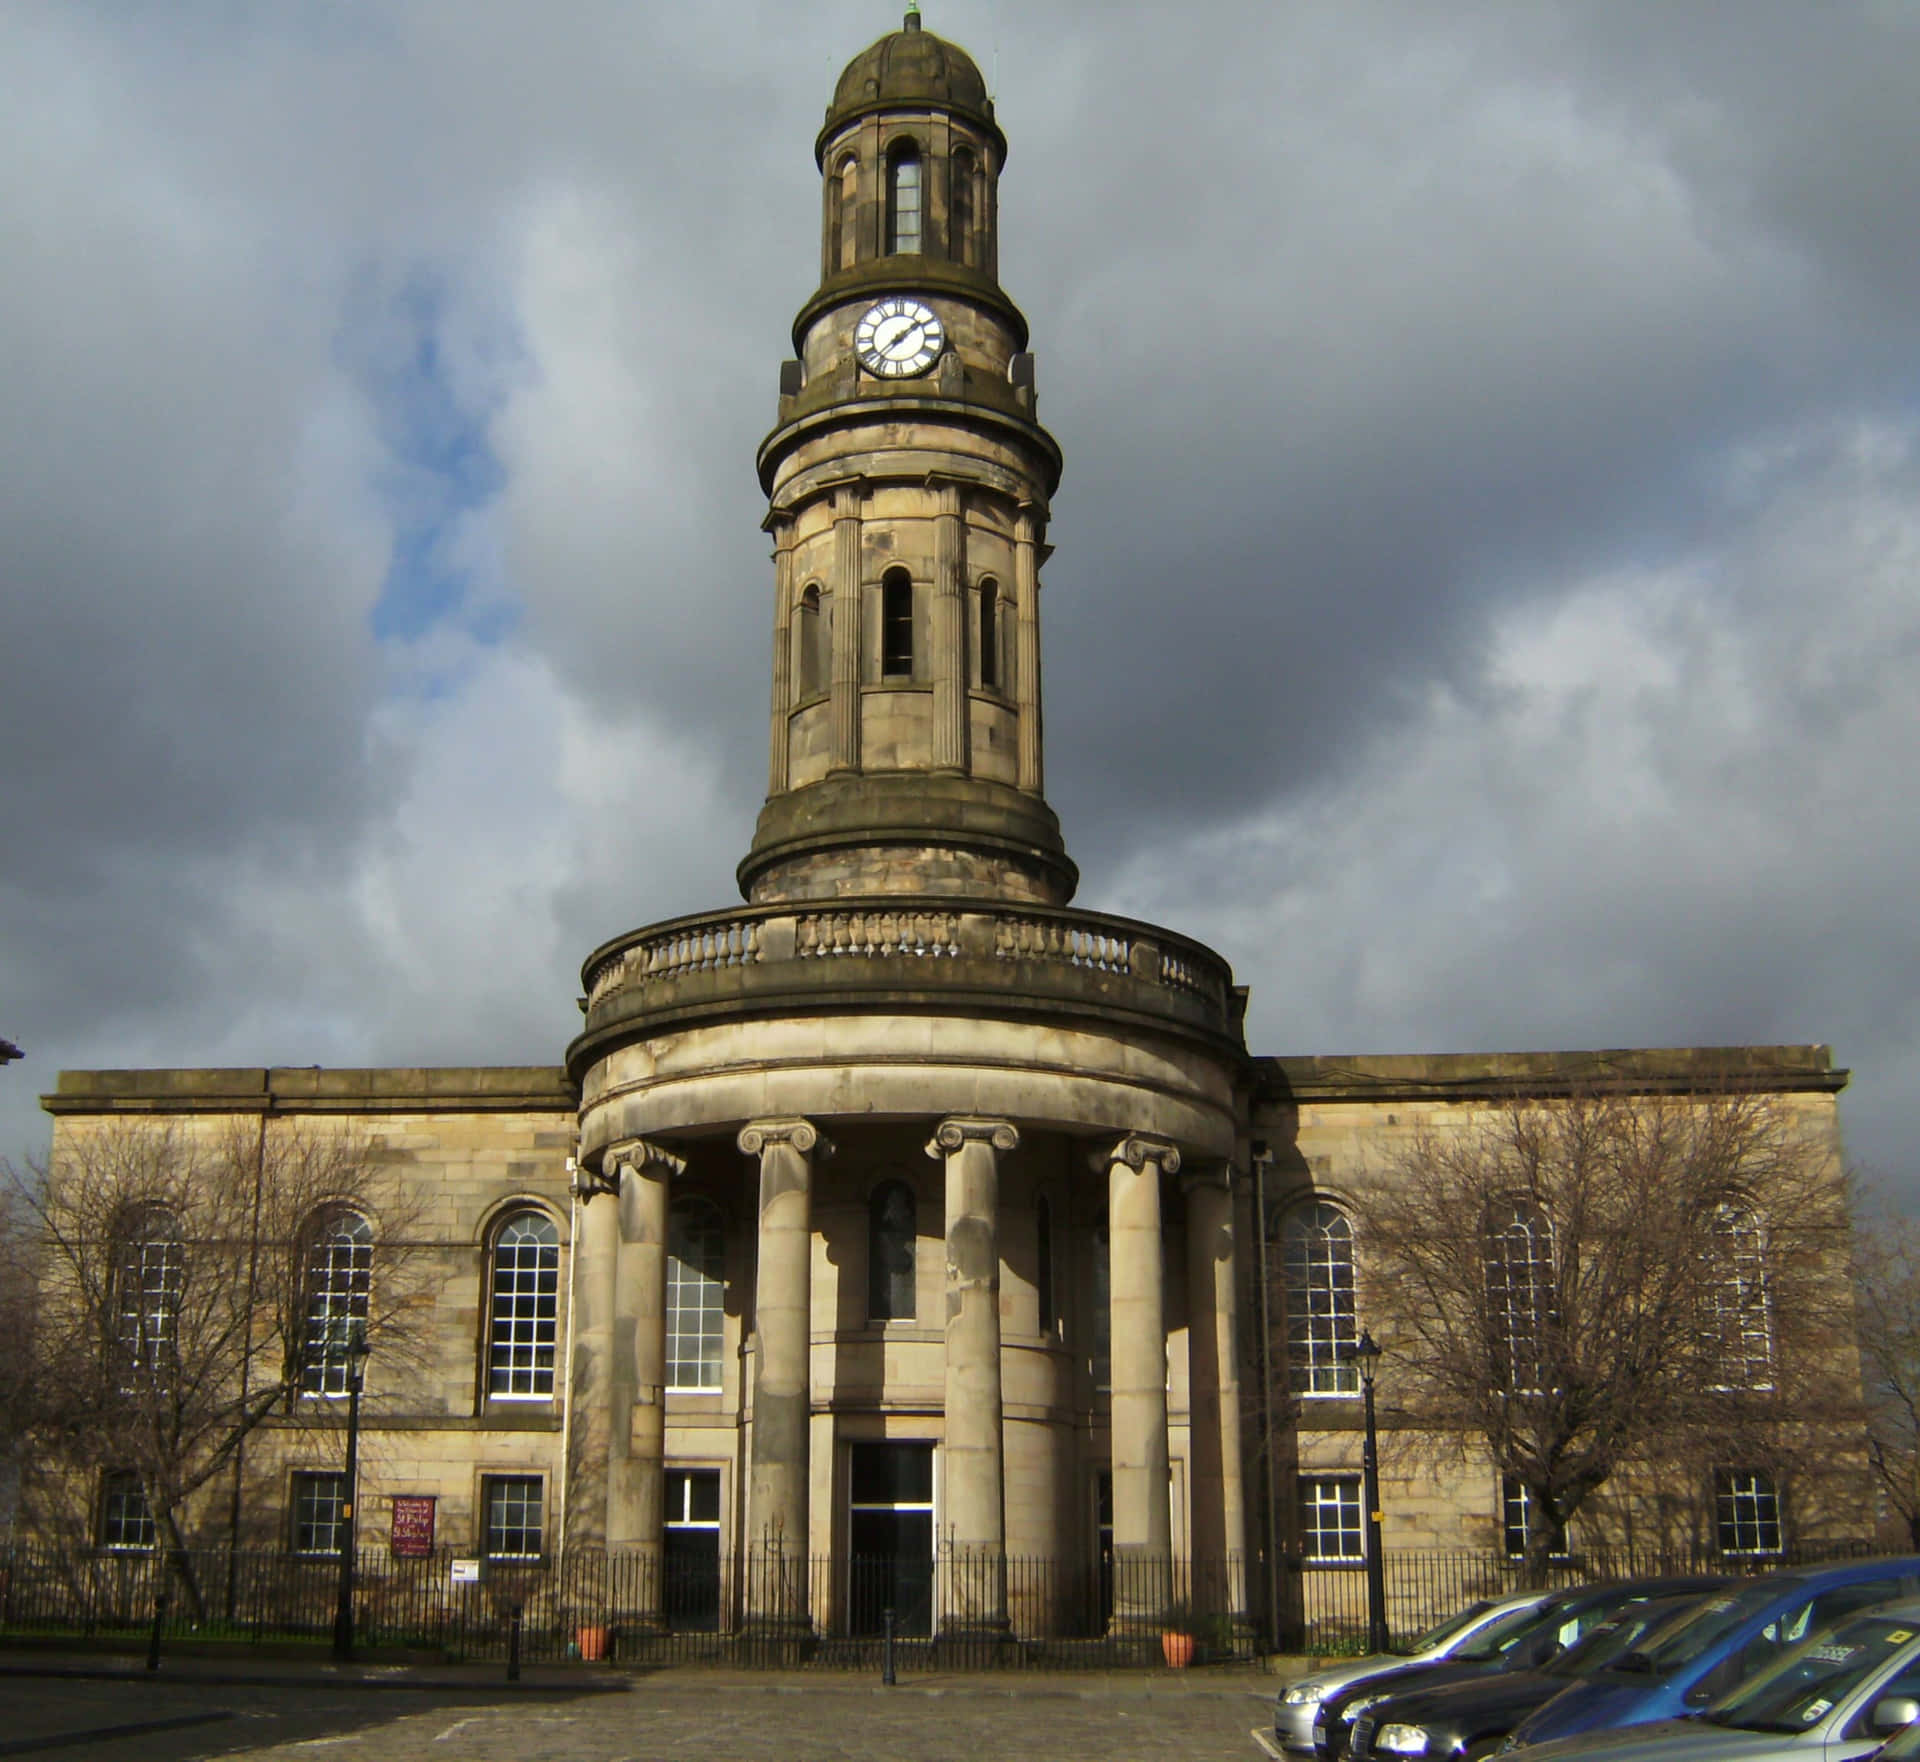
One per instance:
(1714, 1646)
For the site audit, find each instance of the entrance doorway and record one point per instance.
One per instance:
(692, 1598)
(890, 1538)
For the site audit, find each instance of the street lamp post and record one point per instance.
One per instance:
(354, 1348)
(1368, 1355)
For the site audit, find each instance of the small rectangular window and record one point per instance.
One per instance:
(319, 1513)
(1516, 1520)
(1330, 1518)
(896, 626)
(1746, 1511)
(125, 1518)
(512, 1504)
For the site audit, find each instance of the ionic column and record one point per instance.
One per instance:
(844, 688)
(777, 729)
(638, 1172)
(1026, 668)
(975, 1509)
(950, 670)
(1217, 1507)
(1142, 1521)
(782, 1404)
(589, 1376)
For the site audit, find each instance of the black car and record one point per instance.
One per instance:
(1464, 1721)
(1525, 1642)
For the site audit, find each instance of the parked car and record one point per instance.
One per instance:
(1295, 1706)
(1833, 1698)
(1525, 1643)
(1713, 1648)
(1468, 1720)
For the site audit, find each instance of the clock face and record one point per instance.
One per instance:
(898, 339)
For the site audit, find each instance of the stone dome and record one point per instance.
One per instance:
(911, 68)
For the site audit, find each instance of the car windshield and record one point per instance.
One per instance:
(1687, 1636)
(1805, 1685)
(1616, 1635)
(1501, 1636)
(1451, 1628)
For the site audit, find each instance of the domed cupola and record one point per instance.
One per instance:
(910, 68)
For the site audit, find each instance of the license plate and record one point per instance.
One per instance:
(1361, 1744)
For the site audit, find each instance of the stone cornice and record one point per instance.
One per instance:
(303, 1089)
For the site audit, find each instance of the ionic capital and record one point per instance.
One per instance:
(1136, 1152)
(1217, 1175)
(639, 1156)
(952, 1135)
(803, 1135)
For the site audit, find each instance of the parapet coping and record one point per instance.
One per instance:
(317, 1089)
(1413, 1076)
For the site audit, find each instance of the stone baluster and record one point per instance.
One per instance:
(1142, 1517)
(975, 1522)
(782, 1368)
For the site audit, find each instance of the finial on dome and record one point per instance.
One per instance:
(913, 16)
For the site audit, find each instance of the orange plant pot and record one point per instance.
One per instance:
(1178, 1649)
(592, 1642)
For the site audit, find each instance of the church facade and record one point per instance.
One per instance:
(904, 1213)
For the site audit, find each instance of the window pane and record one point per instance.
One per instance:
(903, 204)
(125, 1521)
(339, 1276)
(896, 626)
(526, 1290)
(1517, 1519)
(319, 1518)
(892, 1240)
(696, 1311)
(891, 1474)
(1317, 1273)
(1738, 1324)
(1330, 1518)
(1747, 1510)
(149, 1280)
(513, 1515)
(1519, 1292)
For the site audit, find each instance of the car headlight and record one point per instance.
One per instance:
(1302, 1694)
(1401, 1740)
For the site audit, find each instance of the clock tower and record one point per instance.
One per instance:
(974, 1117)
(908, 479)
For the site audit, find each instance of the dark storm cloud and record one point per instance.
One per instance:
(1483, 599)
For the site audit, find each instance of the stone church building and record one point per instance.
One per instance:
(904, 1212)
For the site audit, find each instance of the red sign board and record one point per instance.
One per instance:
(412, 1525)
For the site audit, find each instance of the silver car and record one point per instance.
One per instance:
(1836, 1697)
(1296, 1707)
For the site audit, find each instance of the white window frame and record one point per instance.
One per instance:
(1341, 1495)
(1317, 1294)
(530, 1381)
(696, 1299)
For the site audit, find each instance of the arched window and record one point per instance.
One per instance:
(696, 1313)
(1316, 1272)
(809, 654)
(1519, 1293)
(522, 1308)
(1738, 1323)
(846, 229)
(892, 1240)
(339, 1279)
(903, 200)
(960, 209)
(149, 1281)
(1043, 1262)
(990, 635)
(896, 625)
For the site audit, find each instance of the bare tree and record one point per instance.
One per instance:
(1599, 1282)
(1887, 1284)
(191, 1284)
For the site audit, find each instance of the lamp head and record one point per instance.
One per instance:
(1368, 1355)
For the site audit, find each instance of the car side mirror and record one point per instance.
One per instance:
(1895, 1713)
